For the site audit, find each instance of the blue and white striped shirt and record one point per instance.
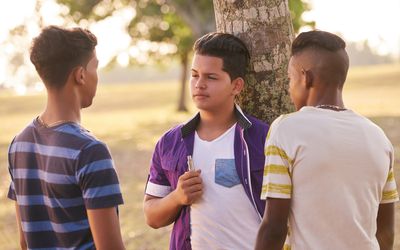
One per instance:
(57, 174)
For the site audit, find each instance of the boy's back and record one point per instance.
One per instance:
(337, 171)
(58, 173)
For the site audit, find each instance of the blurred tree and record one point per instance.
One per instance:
(297, 8)
(173, 22)
(266, 28)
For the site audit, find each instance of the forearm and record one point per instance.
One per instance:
(385, 226)
(270, 239)
(385, 240)
(161, 212)
(273, 229)
(105, 228)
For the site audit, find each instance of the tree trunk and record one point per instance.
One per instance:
(266, 28)
(182, 95)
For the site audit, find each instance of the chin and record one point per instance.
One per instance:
(87, 104)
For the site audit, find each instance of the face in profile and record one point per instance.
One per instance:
(90, 81)
(297, 86)
(211, 87)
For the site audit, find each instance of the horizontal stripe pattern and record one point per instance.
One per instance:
(38, 226)
(390, 193)
(275, 169)
(101, 191)
(51, 190)
(43, 175)
(277, 188)
(95, 166)
(390, 176)
(75, 140)
(277, 177)
(62, 152)
(56, 165)
(274, 150)
(31, 200)
(57, 174)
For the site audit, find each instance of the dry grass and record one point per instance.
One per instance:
(130, 119)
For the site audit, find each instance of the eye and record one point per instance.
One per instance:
(212, 78)
(195, 75)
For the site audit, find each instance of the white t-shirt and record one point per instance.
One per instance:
(224, 218)
(336, 167)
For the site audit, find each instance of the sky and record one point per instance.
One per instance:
(355, 20)
(377, 21)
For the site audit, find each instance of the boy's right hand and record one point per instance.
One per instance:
(189, 188)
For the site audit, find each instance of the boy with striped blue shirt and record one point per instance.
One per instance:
(64, 184)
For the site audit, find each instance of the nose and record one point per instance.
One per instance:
(200, 84)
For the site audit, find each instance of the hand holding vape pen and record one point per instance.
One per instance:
(190, 163)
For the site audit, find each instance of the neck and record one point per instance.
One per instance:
(213, 124)
(332, 97)
(62, 106)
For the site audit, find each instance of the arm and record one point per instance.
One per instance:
(22, 241)
(104, 225)
(385, 226)
(273, 229)
(160, 212)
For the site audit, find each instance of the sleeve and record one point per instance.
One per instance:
(389, 193)
(277, 181)
(158, 184)
(97, 177)
(11, 190)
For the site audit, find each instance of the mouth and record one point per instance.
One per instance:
(200, 95)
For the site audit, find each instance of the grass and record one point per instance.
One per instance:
(131, 117)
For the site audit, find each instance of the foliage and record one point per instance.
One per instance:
(176, 22)
(297, 8)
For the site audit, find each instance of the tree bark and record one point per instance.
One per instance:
(266, 28)
(184, 70)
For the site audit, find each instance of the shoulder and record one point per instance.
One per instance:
(173, 135)
(372, 128)
(257, 124)
(285, 122)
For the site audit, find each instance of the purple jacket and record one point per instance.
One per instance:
(170, 161)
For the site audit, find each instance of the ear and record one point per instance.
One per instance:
(238, 85)
(308, 78)
(79, 75)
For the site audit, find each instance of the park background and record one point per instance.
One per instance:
(139, 88)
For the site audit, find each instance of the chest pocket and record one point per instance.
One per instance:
(225, 173)
(173, 167)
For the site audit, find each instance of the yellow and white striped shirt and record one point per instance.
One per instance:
(336, 167)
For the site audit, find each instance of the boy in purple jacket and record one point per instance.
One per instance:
(206, 175)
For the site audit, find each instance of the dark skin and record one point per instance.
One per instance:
(316, 78)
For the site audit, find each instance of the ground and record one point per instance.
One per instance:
(131, 117)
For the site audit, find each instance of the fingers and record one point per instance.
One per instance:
(190, 174)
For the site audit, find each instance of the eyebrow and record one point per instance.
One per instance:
(208, 73)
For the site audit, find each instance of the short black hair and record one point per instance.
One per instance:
(57, 51)
(229, 48)
(328, 49)
(317, 39)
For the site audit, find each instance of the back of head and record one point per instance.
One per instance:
(57, 51)
(230, 49)
(325, 53)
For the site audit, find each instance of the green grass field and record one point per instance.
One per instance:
(130, 118)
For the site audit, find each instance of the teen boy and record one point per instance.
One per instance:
(206, 175)
(329, 171)
(63, 179)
